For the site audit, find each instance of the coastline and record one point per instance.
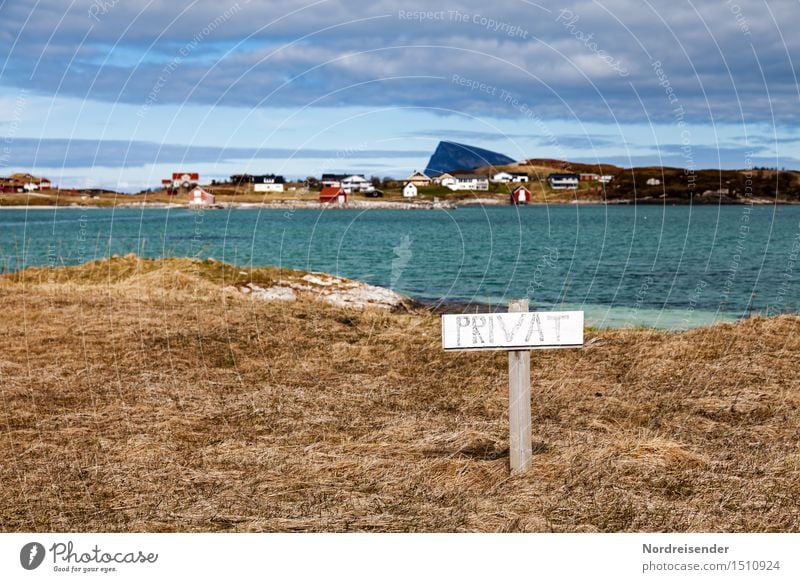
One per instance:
(282, 284)
(398, 205)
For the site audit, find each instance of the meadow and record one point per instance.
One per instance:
(151, 395)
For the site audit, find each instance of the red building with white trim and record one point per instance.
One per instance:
(185, 179)
(520, 195)
(333, 195)
(200, 197)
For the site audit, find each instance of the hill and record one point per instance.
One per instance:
(450, 157)
(149, 396)
(565, 166)
(667, 185)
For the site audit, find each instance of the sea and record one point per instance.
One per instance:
(667, 267)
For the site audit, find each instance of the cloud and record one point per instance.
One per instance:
(718, 63)
(700, 157)
(566, 140)
(88, 153)
(465, 135)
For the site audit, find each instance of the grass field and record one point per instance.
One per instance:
(149, 396)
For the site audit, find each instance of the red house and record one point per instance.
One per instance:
(199, 197)
(185, 179)
(333, 195)
(520, 195)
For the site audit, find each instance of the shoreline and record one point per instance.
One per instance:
(286, 284)
(396, 205)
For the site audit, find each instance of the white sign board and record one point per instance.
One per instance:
(512, 331)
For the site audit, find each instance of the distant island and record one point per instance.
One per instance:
(456, 175)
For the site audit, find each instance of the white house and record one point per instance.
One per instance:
(605, 178)
(470, 182)
(653, 182)
(446, 180)
(269, 183)
(410, 190)
(356, 183)
(506, 177)
(563, 181)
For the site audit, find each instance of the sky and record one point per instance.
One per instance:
(121, 93)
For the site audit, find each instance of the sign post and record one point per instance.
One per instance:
(518, 332)
(519, 401)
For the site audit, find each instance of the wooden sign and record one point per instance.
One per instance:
(517, 331)
(513, 331)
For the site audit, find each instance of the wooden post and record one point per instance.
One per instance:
(518, 332)
(519, 401)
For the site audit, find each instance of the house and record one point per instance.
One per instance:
(470, 182)
(520, 195)
(419, 179)
(410, 190)
(185, 179)
(328, 180)
(25, 183)
(653, 182)
(350, 183)
(9, 185)
(14, 183)
(268, 183)
(356, 183)
(563, 181)
(605, 178)
(200, 198)
(333, 195)
(445, 179)
(589, 177)
(506, 177)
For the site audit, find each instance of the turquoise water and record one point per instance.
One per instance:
(670, 267)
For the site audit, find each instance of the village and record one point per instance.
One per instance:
(535, 181)
(339, 189)
(497, 186)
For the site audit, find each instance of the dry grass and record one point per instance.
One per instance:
(145, 396)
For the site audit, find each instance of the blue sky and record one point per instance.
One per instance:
(119, 93)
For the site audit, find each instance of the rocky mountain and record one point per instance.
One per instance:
(450, 156)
